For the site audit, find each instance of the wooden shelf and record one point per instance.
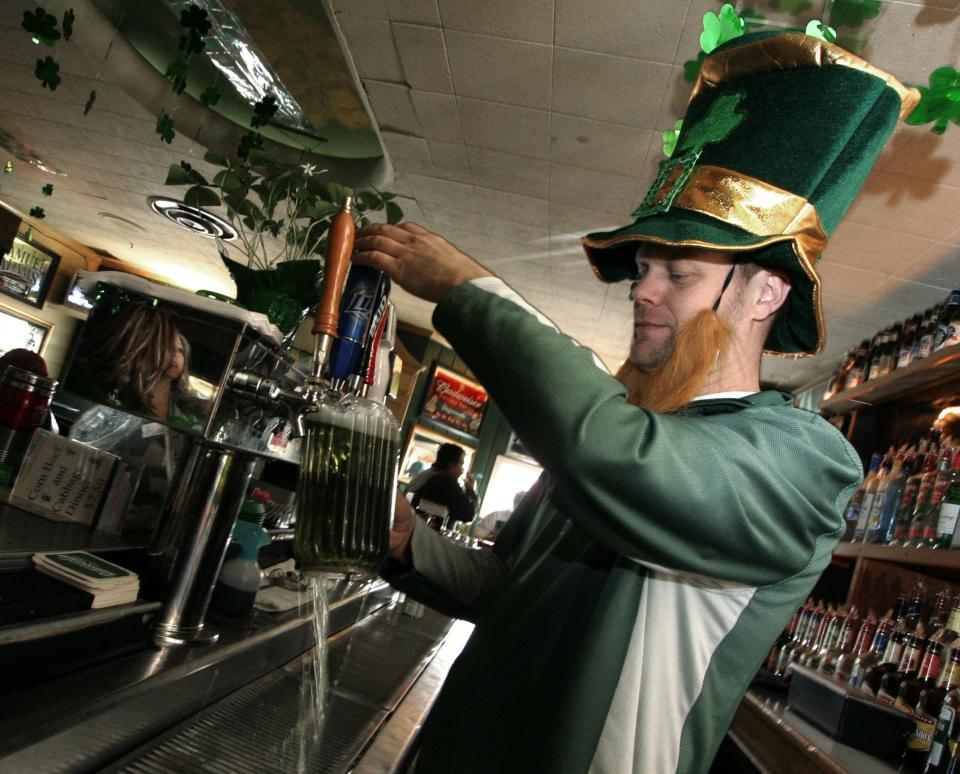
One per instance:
(939, 367)
(919, 557)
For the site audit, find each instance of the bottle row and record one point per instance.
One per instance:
(898, 659)
(910, 496)
(899, 345)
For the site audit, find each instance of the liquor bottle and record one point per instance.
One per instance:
(911, 326)
(785, 637)
(877, 350)
(878, 648)
(891, 350)
(927, 674)
(872, 482)
(855, 505)
(948, 329)
(943, 746)
(826, 661)
(933, 486)
(906, 669)
(872, 518)
(944, 516)
(815, 628)
(921, 495)
(915, 606)
(928, 336)
(846, 662)
(882, 532)
(901, 528)
(869, 681)
(786, 652)
(940, 611)
(839, 378)
(829, 641)
(857, 373)
(947, 475)
(802, 654)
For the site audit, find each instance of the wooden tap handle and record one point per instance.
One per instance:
(339, 248)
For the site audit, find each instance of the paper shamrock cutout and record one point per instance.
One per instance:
(42, 25)
(717, 30)
(37, 212)
(48, 72)
(250, 141)
(210, 96)
(165, 128)
(939, 102)
(670, 138)
(8, 167)
(47, 190)
(68, 18)
(853, 13)
(195, 19)
(90, 100)
(817, 29)
(264, 110)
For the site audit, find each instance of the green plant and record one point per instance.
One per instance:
(282, 212)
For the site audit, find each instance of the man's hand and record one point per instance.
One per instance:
(421, 262)
(402, 530)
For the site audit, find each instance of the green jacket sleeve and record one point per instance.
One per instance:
(741, 496)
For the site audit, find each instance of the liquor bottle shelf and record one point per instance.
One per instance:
(921, 557)
(937, 368)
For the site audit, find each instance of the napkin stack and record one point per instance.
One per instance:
(108, 583)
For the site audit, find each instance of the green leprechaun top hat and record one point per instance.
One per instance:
(781, 132)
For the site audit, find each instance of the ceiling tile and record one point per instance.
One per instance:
(511, 206)
(848, 282)
(939, 265)
(918, 153)
(872, 248)
(642, 29)
(408, 152)
(423, 57)
(411, 209)
(600, 190)
(608, 88)
(438, 115)
(892, 202)
(450, 160)
(606, 147)
(507, 172)
(688, 46)
(500, 70)
(442, 218)
(530, 20)
(897, 299)
(392, 107)
(376, 9)
(533, 236)
(432, 189)
(414, 11)
(568, 222)
(508, 128)
(370, 42)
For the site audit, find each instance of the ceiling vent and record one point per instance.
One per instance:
(193, 219)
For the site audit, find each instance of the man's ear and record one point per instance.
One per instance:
(772, 294)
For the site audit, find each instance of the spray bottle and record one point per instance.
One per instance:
(240, 577)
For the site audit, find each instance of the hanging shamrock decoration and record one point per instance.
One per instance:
(670, 138)
(47, 190)
(263, 110)
(68, 19)
(939, 102)
(165, 128)
(817, 29)
(195, 20)
(853, 13)
(48, 72)
(210, 96)
(37, 212)
(717, 30)
(43, 26)
(90, 100)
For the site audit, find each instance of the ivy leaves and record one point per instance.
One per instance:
(939, 102)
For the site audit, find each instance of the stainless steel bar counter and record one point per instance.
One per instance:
(234, 705)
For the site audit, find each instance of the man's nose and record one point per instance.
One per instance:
(646, 290)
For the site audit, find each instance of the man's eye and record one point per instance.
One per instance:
(677, 277)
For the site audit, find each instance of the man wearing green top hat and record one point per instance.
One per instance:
(684, 514)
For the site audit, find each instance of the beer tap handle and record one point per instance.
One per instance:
(339, 247)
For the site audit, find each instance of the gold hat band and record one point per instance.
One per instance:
(788, 52)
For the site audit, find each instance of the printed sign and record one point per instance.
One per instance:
(455, 401)
(26, 271)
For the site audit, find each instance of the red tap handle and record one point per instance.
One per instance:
(372, 363)
(339, 247)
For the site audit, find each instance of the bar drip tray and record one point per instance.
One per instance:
(254, 729)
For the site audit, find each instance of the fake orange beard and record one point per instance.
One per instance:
(696, 351)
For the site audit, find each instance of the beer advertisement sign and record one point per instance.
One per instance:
(455, 401)
(26, 271)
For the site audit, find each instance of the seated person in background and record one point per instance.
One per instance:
(489, 526)
(440, 484)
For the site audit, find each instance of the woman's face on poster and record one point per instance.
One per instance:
(177, 360)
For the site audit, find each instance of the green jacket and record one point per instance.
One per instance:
(631, 598)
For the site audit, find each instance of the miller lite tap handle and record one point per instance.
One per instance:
(339, 247)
